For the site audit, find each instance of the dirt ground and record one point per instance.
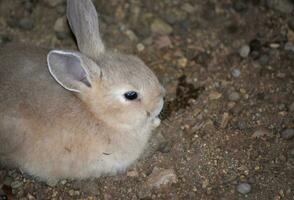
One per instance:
(228, 67)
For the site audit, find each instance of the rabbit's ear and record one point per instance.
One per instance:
(70, 69)
(83, 20)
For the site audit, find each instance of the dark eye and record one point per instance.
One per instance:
(131, 95)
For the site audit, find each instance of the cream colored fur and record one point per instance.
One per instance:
(54, 133)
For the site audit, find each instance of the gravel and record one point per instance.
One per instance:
(287, 134)
(283, 6)
(234, 96)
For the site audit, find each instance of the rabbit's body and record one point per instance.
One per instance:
(48, 131)
(76, 115)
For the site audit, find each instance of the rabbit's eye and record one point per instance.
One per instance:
(131, 95)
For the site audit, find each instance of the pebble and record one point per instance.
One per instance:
(182, 62)
(164, 147)
(244, 188)
(158, 26)
(289, 47)
(16, 184)
(240, 5)
(61, 28)
(53, 3)
(236, 73)
(30, 196)
(26, 24)
(214, 95)
(287, 134)
(262, 133)
(284, 6)
(161, 178)
(264, 59)
(140, 47)
(244, 51)
(234, 96)
(188, 8)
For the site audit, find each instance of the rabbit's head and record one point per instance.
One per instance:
(118, 89)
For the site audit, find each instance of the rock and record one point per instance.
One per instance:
(261, 133)
(26, 24)
(61, 28)
(287, 134)
(158, 26)
(225, 120)
(162, 42)
(244, 188)
(16, 184)
(30, 196)
(182, 62)
(236, 73)
(264, 59)
(214, 95)
(164, 147)
(161, 178)
(289, 47)
(240, 5)
(244, 51)
(53, 3)
(140, 47)
(188, 8)
(284, 6)
(131, 35)
(234, 96)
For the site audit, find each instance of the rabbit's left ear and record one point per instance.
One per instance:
(83, 20)
(71, 70)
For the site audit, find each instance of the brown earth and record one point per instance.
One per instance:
(228, 67)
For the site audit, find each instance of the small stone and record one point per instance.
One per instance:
(240, 5)
(264, 59)
(262, 133)
(164, 147)
(242, 125)
(132, 173)
(287, 134)
(158, 26)
(30, 196)
(140, 47)
(26, 24)
(274, 45)
(244, 188)
(131, 35)
(289, 47)
(214, 95)
(161, 178)
(188, 8)
(61, 28)
(53, 3)
(163, 41)
(236, 73)
(16, 184)
(244, 51)
(234, 96)
(225, 120)
(284, 6)
(182, 62)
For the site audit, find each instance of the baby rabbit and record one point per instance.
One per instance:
(69, 114)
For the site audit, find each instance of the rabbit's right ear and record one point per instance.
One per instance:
(83, 20)
(71, 70)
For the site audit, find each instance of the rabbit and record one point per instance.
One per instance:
(75, 114)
